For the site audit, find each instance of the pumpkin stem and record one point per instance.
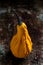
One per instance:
(18, 18)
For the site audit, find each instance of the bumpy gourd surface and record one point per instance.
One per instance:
(21, 44)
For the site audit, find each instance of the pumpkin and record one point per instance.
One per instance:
(21, 44)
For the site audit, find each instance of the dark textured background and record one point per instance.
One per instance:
(35, 28)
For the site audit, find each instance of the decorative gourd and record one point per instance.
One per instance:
(21, 44)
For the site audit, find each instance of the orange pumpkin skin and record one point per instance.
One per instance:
(21, 44)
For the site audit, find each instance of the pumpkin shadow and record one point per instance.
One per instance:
(10, 59)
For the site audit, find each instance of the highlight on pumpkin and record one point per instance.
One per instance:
(21, 44)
